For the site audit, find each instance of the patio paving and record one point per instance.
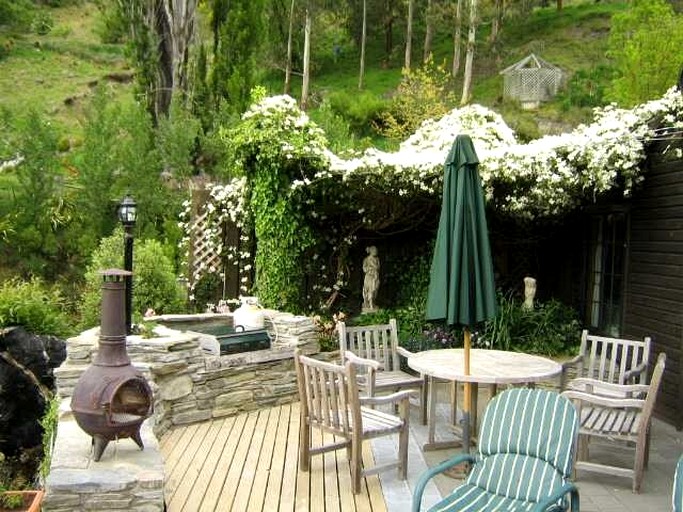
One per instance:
(599, 493)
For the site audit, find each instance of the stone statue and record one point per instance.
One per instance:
(529, 292)
(371, 281)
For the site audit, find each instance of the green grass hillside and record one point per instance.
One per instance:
(55, 73)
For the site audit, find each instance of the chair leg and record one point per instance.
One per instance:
(304, 445)
(356, 464)
(641, 450)
(423, 399)
(403, 442)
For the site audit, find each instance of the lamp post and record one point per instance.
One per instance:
(127, 215)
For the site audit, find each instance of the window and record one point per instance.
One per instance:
(606, 262)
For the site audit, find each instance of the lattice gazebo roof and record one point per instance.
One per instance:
(532, 80)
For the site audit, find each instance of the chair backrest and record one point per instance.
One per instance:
(328, 394)
(608, 359)
(378, 342)
(677, 495)
(526, 444)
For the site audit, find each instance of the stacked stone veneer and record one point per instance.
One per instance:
(190, 385)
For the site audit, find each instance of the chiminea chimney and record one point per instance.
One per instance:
(112, 398)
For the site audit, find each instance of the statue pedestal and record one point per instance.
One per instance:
(365, 310)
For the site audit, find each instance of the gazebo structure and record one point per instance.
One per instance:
(531, 81)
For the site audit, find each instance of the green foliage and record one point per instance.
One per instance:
(550, 328)
(361, 109)
(34, 305)
(586, 88)
(15, 13)
(283, 235)
(37, 208)
(424, 93)
(154, 282)
(42, 23)
(112, 26)
(49, 423)
(238, 32)
(642, 42)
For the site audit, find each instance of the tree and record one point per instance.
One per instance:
(457, 36)
(409, 36)
(362, 45)
(429, 30)
(642, 42)
(161, 32)
(307, 56)
(469, 57)
(288, 67)
(238, 36)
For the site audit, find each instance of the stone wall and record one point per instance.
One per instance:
(191, 385)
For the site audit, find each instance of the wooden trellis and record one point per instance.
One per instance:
(531, 81)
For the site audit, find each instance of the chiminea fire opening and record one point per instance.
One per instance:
(112, 398)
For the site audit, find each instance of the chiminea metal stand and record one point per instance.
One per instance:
(112, 398)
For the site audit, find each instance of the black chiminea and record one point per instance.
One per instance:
(112, 399)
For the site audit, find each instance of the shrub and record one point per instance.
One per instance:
(550, 328)
(42, 23)
(154, 282)
(35, 306)
(361, 110)
(424, 93)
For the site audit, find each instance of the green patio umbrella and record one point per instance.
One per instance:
(461, 284)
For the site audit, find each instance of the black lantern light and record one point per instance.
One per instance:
(128, 215)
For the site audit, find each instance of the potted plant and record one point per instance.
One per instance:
(21, 501)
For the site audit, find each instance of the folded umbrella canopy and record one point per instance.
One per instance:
(461, 284)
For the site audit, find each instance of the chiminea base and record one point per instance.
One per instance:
(100, 443)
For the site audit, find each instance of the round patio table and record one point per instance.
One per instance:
(486, 367)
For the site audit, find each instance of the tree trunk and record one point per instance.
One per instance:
(559, 5)
(409, 36)
(497, 21)
(362, 45)
(469, 58)
(307, 57)
(429, 31)
(288, 68)
(388, 28)
(457, 36)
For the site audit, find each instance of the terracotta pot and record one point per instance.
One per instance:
(32, 500)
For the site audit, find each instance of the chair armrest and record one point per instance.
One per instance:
(403, 352)
(374, 365)
(604, 401)
(399, 396)
(432, 472)
(633, 373)
(609, 389)
(550, 503)
(572, 362)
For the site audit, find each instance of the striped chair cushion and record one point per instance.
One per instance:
(677, 498)
(470, 498)
(538, 423)
(524, 453)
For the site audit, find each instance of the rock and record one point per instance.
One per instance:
(25, 360)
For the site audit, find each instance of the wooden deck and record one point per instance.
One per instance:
(250, 463)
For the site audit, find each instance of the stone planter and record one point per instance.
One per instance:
(31, 501)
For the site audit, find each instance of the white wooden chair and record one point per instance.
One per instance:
(375, 349)
(612, 360)
(330, 401)
(616, 412)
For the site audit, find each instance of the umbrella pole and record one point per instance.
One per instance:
(467, 406)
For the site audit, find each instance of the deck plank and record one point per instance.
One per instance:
(250, 463)
(194, 468)
(213, 459)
